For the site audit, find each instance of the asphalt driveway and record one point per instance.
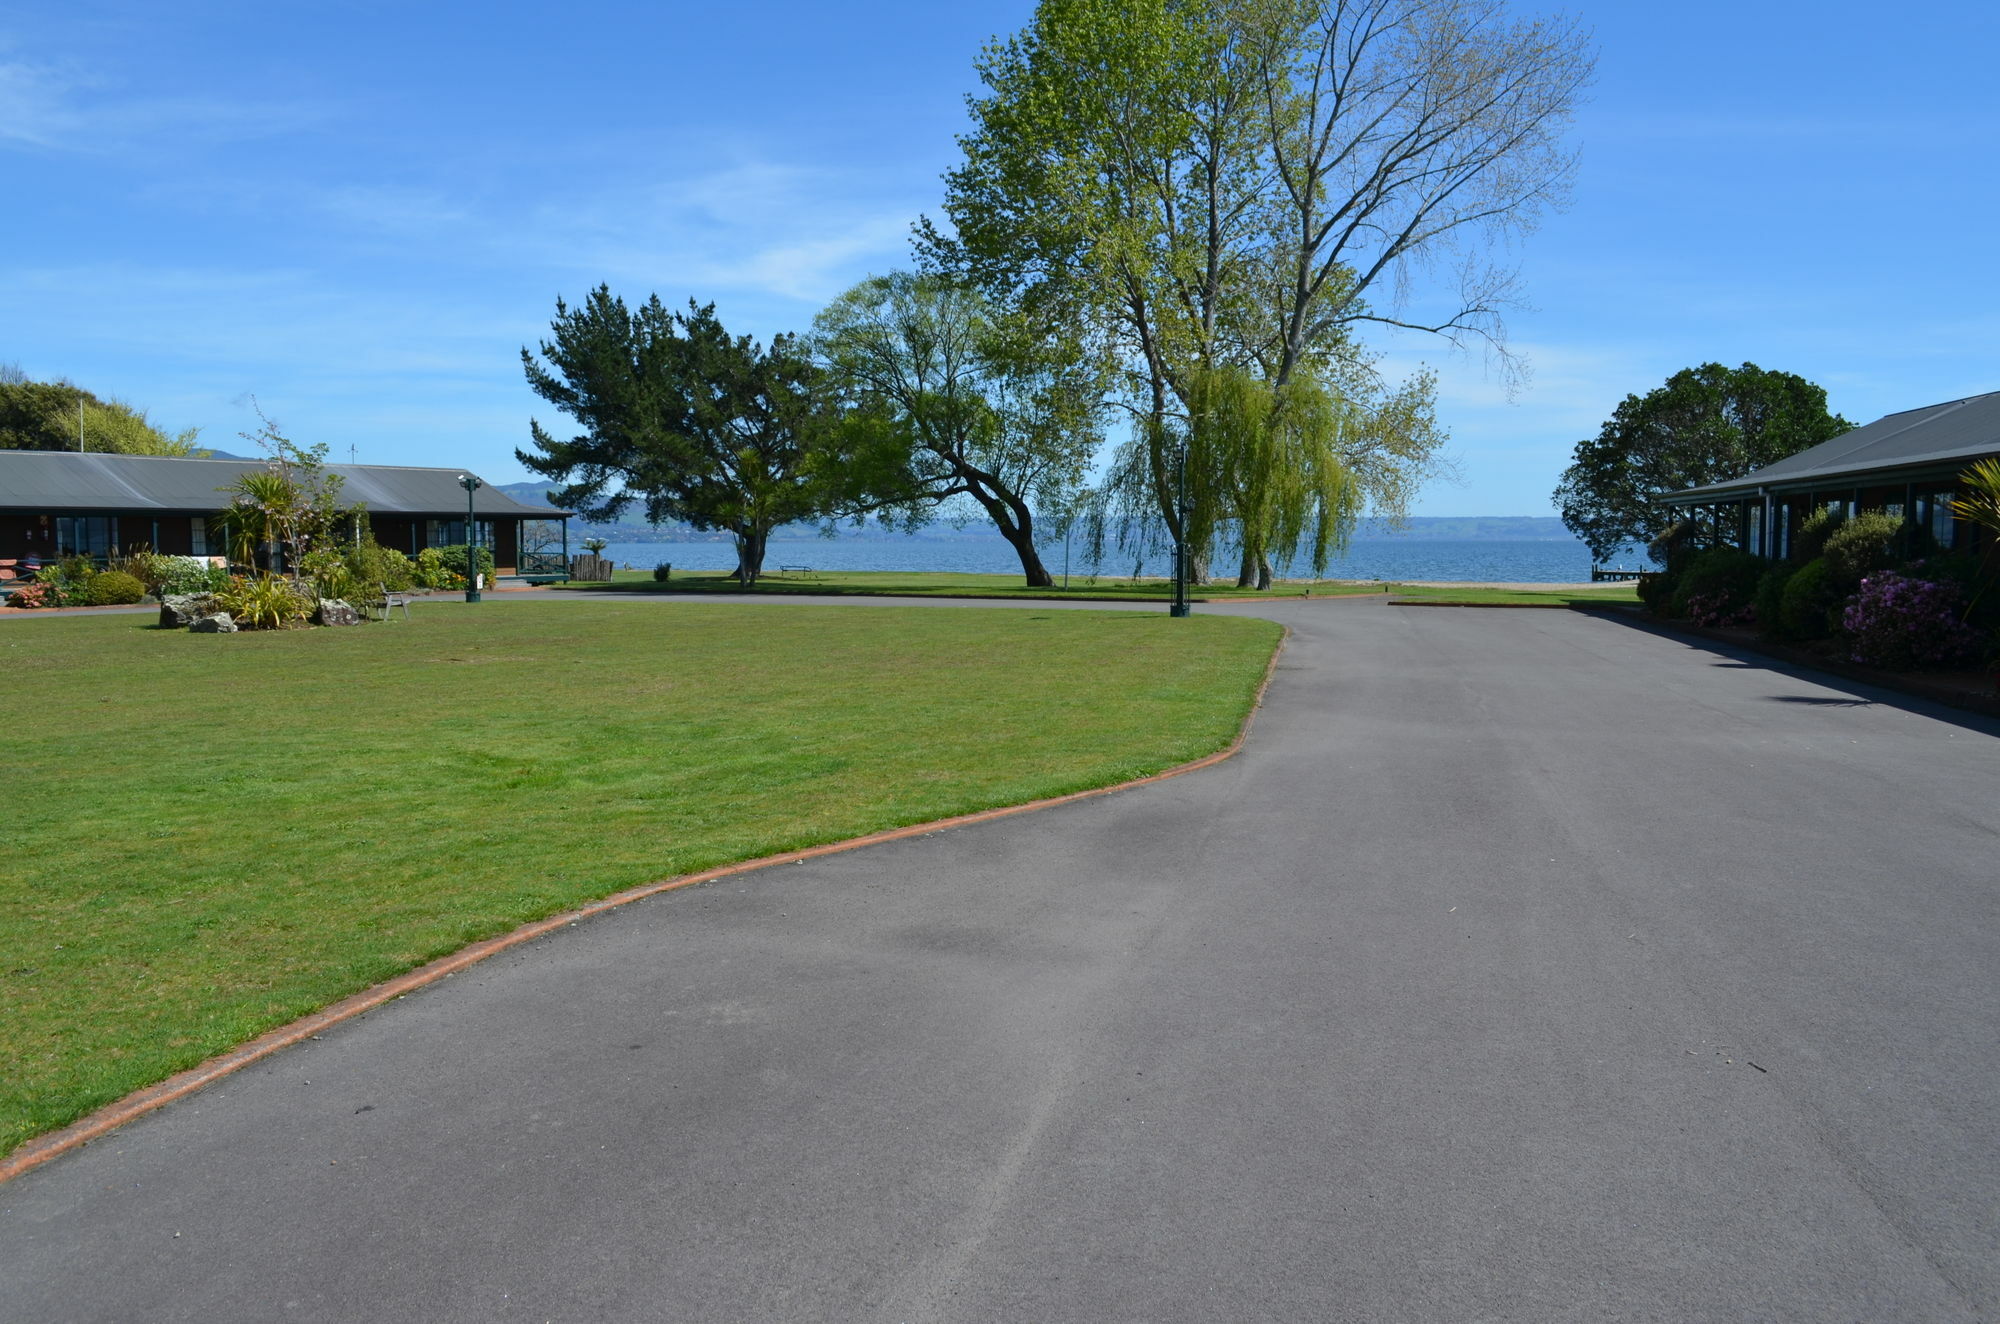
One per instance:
(1525, 966)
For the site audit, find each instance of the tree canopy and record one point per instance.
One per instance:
(678, 415)
(1225, 191)
(949, 400)
(46, 416)
(1707, 424)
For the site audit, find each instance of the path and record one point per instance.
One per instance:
(1526, 966)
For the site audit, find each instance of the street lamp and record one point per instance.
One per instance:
(1180, 603)
(471, 484)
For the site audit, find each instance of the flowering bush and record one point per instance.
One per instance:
(1720, 608)
(30, 595)
(1903, 624)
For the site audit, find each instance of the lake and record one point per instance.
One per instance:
(1499, 560)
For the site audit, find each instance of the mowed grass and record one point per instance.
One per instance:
(210, 835)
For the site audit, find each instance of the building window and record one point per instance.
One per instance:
(84, 535)
(451, 533)
(198, 530)
(1934, 511)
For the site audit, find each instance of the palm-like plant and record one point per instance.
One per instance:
(1979, 503)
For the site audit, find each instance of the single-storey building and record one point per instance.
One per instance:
(63, 503)
(1907, 464)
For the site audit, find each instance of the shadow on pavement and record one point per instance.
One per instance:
(1863, 693)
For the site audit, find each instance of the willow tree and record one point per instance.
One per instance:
(1245, 185)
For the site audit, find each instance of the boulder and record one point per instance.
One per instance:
(333, 611)
(183, 609)
(220, 623)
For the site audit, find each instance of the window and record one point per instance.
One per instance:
(198, 530)
(451, 533)
(1934, 512)
(84, 535)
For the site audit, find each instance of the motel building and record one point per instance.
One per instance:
(55, 504)
(1907, 464)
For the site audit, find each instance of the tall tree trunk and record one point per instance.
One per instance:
(1246, 572)
(1263, 572)
(750, 555)
(1017, 525)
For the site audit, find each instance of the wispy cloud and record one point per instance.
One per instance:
(782, 231)
(60, 108)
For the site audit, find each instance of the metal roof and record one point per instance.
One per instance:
(1944, 436)
(67, 480)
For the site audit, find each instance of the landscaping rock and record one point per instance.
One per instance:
(220, 623)
(333, 611)
(183, 609)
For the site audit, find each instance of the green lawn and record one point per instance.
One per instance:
(898, 583)
(209, 835)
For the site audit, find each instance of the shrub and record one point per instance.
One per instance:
(1717, 584)
(429, 570)
(1904, 624)
(454, 561)
(1657, 592)
(190, 574)
(1809, 543)
(374, 564)
(663, 572)
(267, 602)
(30, 595)
(68, 581)
(1863, 545)
(1770, 600)
(1805, 610)
(115, 588)
(331, 576)
(148, 567)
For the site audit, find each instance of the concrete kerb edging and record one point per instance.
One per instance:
(136, 1105)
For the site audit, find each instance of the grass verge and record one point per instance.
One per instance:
(211, 835)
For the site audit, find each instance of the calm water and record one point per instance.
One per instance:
(1497, 560)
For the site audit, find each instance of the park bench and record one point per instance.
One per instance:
(803, 571)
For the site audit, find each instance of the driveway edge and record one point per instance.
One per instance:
(109, 1118)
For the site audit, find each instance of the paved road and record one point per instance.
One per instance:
(1526, 966)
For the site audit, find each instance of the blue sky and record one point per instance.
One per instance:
(359, 213)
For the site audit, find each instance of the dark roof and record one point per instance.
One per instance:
(1936, 437)
(67, 480)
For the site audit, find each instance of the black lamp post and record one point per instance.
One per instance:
(1180, 603)
(471, 484)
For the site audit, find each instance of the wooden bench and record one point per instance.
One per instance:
(804, 571)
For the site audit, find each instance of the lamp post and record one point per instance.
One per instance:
(471, 484)
(1180, 603)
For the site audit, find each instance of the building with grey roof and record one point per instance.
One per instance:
(63, 503)
(1907, 463)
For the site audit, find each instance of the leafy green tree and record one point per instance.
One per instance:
(950, 401)
(1225, 190)
(1707, 424)
(694, 424)
(46, 416)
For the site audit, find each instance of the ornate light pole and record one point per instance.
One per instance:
(471, 484)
